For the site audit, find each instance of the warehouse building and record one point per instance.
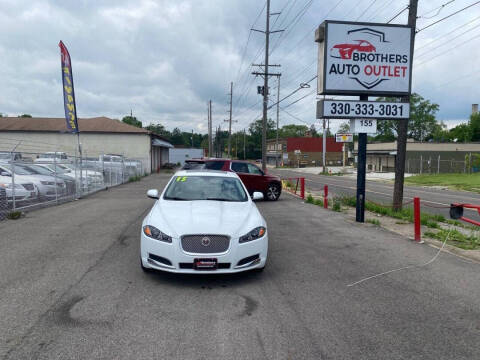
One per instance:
(421, 157)
(99, 135)
(304, 151)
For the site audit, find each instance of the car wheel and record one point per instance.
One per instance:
(273, 192)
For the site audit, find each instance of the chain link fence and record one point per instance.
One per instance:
(32, 179)
(439, 165)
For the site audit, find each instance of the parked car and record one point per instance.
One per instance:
(252, 176)
(51, 157)
(24, 191)
(204, 222)
(44, 169)
(6, 156)
(47, 187)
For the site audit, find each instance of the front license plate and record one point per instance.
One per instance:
(205, 264)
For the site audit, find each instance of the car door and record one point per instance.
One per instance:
(241, 168)
(257, 178)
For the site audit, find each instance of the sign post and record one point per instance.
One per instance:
(363, 59)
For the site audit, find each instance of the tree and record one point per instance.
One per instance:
(422, 123)
(25, 116)
(474, 125)
(293, 130)
(177, 138)
(157, 129)
(462, 133)
(344, 127)
(132, 120)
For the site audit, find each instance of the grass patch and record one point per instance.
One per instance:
(134, 178)
(469, 182)
(310, 199)
(14, 215)
(337, 204)
(374, 221)
(456, 238)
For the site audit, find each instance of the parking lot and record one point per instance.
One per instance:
(72, 288)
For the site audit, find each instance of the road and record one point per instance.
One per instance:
(71, 288)
(433, 201)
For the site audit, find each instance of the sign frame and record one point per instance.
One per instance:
(321, 110)
(321, 37)
(349, 137)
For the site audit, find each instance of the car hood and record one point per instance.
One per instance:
(177, 218)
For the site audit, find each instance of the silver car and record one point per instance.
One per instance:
(48, 188)
(25, 192)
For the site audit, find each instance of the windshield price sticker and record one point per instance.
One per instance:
(368, 126)
(346, 109)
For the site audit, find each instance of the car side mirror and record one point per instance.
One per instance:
(153, 193)
(257, 196)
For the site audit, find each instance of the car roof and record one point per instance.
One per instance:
(205, 172)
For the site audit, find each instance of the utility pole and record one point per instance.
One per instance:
(324, 148)
(403, 124)
(244, 140)
(210, 144)
(192, 138)
(230, 121)
(266, 74)
(278, 111)
(236, 146)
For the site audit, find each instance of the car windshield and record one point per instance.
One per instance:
(39, 170)
(60, 169)
(5, 156)
(20, 170)
(217, 188)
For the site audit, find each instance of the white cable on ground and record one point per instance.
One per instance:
(406, 267)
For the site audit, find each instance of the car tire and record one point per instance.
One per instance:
(273, 192)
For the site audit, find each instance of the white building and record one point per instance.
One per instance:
(101, 135)
(179, 155)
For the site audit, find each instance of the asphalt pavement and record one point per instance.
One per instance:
(432, 200)
(72, 288)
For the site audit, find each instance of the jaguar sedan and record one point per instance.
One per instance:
(204, 222)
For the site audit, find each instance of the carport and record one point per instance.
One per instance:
(159, 150)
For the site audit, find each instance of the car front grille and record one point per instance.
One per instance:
(28, 187)
(205, 244)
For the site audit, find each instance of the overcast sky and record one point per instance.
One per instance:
(165, 59)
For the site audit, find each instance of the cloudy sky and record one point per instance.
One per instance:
(164, 59)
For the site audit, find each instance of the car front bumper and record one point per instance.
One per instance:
(174, 253)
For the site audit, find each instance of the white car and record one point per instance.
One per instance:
(204, 222)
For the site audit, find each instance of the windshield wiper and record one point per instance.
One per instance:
(220, 199)
(175, 198)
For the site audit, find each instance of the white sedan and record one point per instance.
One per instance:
(204, 222)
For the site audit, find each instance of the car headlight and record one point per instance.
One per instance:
(47, 183)
(256, 233)
(10, 186)
(154, 233)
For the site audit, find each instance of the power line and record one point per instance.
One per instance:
(447, 51)
(368, 8)
(303, 97)
(381, 9)
(448, 16)
(448, 33)
(302, 86)
(427, 52)
(248, 41)
(439, 8)
(389, 21)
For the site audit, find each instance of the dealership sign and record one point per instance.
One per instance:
(364, 58)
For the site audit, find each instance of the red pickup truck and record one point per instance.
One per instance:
(252, 176)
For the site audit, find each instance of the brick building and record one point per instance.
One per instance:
(304, 151)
